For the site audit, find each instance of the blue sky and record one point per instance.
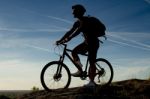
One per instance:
(29, 28)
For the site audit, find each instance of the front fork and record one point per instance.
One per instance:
(58, 74)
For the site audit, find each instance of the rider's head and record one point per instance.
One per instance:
(78, 10)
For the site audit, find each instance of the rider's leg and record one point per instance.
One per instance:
(92, 71)
(92, 74)
(82, 48)
(92, 50)
(76, 60)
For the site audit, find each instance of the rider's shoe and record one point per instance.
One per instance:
(90, 84)
(76, 74)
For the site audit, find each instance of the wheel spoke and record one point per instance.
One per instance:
(51, 81)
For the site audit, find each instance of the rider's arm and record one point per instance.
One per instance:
(75, 33)
(70, 32)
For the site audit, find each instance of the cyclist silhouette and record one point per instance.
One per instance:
(90, 44)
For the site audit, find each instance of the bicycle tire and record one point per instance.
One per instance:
(106, 65)
(50, 65)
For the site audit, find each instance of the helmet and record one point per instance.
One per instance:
(79, 8)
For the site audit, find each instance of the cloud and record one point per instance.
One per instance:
(132, 41)
(148, 1)
(9, 62)
(32, 30)
(131, 61)
(37, 47)
(60, 19)
(19, 43)
(125, 72)
(19, 72)
(53, 26)
(48, 16)
(127, 42)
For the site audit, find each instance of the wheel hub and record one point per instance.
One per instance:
(57, 77)
(101, 72)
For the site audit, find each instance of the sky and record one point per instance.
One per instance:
(29, 29)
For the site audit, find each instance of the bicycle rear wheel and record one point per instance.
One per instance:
(104, 72)
(51, 79)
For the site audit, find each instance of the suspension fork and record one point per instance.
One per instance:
(61, 59)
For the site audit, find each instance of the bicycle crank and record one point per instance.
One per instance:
(84, 75)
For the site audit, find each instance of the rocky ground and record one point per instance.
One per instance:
(128, 89)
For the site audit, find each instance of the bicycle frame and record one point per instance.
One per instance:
(60, 73)
(65, 53)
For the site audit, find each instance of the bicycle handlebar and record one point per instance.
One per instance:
(64, 44)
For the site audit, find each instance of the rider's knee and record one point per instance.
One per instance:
(73, 53)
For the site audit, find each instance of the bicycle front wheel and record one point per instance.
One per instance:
(104, 72)
(55, 75)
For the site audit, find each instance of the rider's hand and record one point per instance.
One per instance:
(58, 42)
(62, 41)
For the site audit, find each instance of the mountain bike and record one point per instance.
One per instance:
(56, 74)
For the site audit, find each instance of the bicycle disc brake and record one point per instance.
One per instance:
(57, 77)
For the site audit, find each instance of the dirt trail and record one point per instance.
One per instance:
(128, 89)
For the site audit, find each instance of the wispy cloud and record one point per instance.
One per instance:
(128, 42)
(60, 19)
(132, 41)
(37, 43)
(53, 26)
(32, 30)
(37, 47)
(148, 1)
(49, 16)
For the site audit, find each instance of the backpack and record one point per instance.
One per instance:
(97, 27)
